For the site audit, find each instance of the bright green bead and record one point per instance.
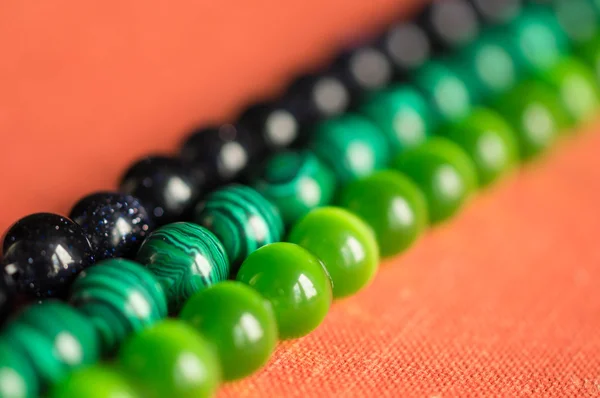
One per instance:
(579, 18)
(445, 174)
(351, 146)
(93, 382)
(296, 182)
(294, 282)
(17, 376)
(171, 359)
(185, 258)
(490, 142)
(392, 205)
(127, 291)
(344, 243)
(238, 321)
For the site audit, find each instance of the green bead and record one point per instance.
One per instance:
(294, 282)
(402, 114)
(579, 19)
(120, 297)
(490, 142)
(17, 376)
(392, 205)
(351, 146)
(295, 182)
(93, 382)
(171, 359)
(242, 219)
(238, 321)
(185, 258)
(344, 243)
(444, 173)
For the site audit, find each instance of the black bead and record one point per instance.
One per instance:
(43, 253)
(164, 186)
(115, 224)
(7, 296)
(407, 46)
(450, 23)
(496, 11)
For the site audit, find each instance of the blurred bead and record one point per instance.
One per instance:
(497, 11)
(589, 53)
(450, 23)
(93, 382)
(407, 47)
(580, 19)
(17, 376)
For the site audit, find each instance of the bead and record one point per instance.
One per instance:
(407, 47)
(17, 377)
(7, 296)
(392, 205)
(43, 253)
(589, 53)
(344, 243)
(93, 382)
(497, 11)
(444, 172)
(295, 182)
(115, 224)
(185, 258)
(242, 219)
(351, 146)
(238, 321)
(119, 297)
(171, 360)
(450, 23)
(490, 142)
(294, 282)
(579, 19)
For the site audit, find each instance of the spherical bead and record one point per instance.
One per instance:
(344, 243)
(238, 321)
(497, 11)
(406, 45)
(242, 219)
(579, 19)
(115, 224)
(17, 376)
(295, 283)
(43, 253)
(94, 382)
(171, 360)
(120, 297)
(185, 258)
(450, 23)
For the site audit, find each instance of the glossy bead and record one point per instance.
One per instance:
(392, 205)
(445, 174)
(238, 321)
(43, 253)
(406, 45)
(294, 282)
(115, 224)
(497, 11)
(17, 376)
(171, 360)
(295, 182)
(94, 382)
(344, 243)
(450, 23)
(242, 219)
(185, 258)
(119, 297)
(579, 19)
(163, 185)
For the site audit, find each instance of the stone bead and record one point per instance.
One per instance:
(119, 297)
(295, 182)
(450, 23)
(115, 224)
(242, 219)
(445, 174)
(238, 321)
(171, 360)
(94, 382)
(344, 243)
(497, 11)
(392, 205)
(43, 253)
(17, 376)
(185, 258)
(407, 46)
(294, 282)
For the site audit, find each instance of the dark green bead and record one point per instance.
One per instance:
(185, 258)
(344, 243)
(445, 174)
(238, 321)
(296, 182)
(351, 146)
(127, 291)
(17, 376)
(242, 219)
(294, 282)
(392, 205)
(94, 382)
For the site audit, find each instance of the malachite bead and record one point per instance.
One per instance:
(242, 219)
(185, 258)
(238, 321)
(392, 205)
(17, 376)
(351, 145)
(120, 297)
(445, 174)
(490, 142)
(294, 282)
(295, 182)
(344, 243)
(402, 114)
(171, 359)
(94, 382)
